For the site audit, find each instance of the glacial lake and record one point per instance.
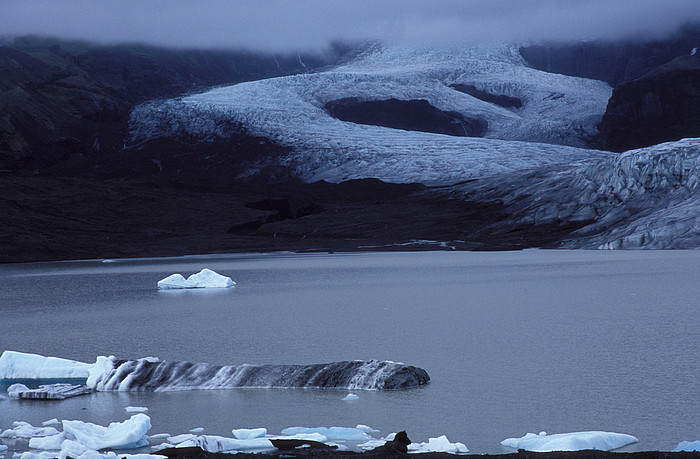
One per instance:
(514, 342)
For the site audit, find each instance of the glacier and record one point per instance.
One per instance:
(573, 441)
(645, 198)
(558, 115)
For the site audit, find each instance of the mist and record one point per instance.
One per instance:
(311, 25)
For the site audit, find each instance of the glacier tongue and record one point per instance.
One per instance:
(644, 198)
(558, 110)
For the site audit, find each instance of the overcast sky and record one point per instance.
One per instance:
(305, 25)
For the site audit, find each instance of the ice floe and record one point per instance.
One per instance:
(52, 443)
(331, 433)
(217, 444)
(688, 446)
(206, 278)
(437, 445)
(197, 430)
(573, 441)
(245, 434)
(21, 429)
(118, 435)
(351, 397)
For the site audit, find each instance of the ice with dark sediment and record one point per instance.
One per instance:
(647, 198)
(148, 375)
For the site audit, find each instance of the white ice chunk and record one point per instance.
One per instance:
(245, 434)
(366, 429)
(136, 409)
(332, 433)
(351, 397)
(121, 435)
(19, 365)
(371, 444)
(51, 422)
(21, 429)
(435, 445)
(162, 446)
(688, 446)
(3, 448)
(51, 443)
(159, 436)
(573, 441)
(309, 436)
(216, 444)
(37, 455)
(206, 278)
(173, 281)
(177, 439)
(197, 430)
(15, 389)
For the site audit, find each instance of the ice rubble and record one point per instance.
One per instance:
(573, 441)
(688, 446)
(558, 110)
(21, 429)
(206, 278)
(644, 198)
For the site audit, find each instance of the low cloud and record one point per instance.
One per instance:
(307, 25)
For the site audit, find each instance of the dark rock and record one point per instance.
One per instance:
(284, 444)
(664, 105)
(391, 447)
(498, 99)
(408, 115)
(402, 437)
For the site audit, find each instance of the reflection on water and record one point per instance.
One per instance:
(514, 342)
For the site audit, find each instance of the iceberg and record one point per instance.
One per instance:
(438, 445)
(688, 446)
(245, 434)
(19, 365)
(206, 278)
(331, 433)
(197, 430)
(58, 391)
(21, 429)
(216, 444)
(351, 397)
(119, 435)
(52, 443)
(136, 409)
(573, 441)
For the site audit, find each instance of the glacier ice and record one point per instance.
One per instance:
(21, 429)
(206, 278)
(245, 434)
(688, 446)
(51, 422)
(644, 198)
(573, 441)
(118, 435)
(20, 365)
(351, 397)
(437, 445)
(331, 433)
(136, 409)
(217, 444)
(558, 111)
(52, 442)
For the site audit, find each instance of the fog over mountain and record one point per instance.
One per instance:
(307, 25)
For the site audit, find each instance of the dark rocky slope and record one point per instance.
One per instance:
(663, 105)
(65, 105)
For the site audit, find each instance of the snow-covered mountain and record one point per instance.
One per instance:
(558, 114)
(645, 198)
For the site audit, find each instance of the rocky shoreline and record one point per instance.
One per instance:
(394, 450)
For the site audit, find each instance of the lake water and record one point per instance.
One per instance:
(514, 342)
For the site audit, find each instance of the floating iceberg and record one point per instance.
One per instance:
(57, 391)
(351, 397)
(688, 446)
(119, 435)
(197, 430)
(438, 445)
(574, 441)
(19, 365)
(331, 433)
(21, 429)
(52, 443)
(206, 278)
(216, 444)
(246, 434)
(136, 409)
